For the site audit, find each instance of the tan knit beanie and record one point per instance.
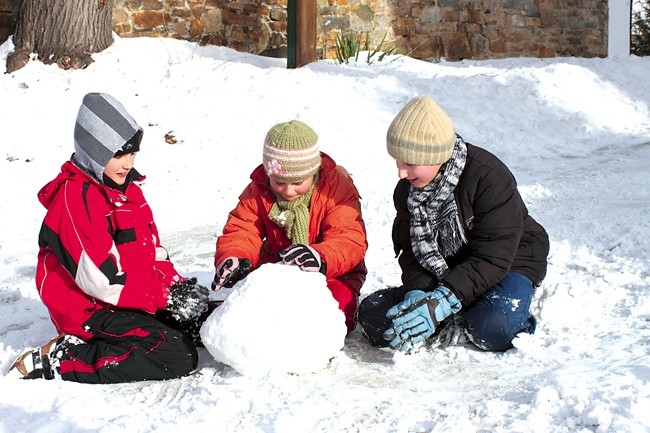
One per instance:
(291, 152)
(421, 133)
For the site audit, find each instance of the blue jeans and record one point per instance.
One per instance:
(496, 318)
(493, 320)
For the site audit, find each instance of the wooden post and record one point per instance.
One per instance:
(301, 32)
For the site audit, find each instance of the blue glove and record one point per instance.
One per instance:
(415, 319)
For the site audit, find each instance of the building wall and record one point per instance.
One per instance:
(425, 29)
(6, 20)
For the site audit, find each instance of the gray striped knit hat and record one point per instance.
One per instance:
(291, 152)
(103, 128)
(421, 133)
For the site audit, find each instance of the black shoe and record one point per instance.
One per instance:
(43, 362)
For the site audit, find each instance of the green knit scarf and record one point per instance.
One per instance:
(293, 216)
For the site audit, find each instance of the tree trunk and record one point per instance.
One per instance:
(65, 32)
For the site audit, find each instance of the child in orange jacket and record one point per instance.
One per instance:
(302, 209)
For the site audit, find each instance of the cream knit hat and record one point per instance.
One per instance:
(421, 133)
(291, 152)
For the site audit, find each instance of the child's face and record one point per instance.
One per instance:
(118, 167)
(291, 191)
(419, 175)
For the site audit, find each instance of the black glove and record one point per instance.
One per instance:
(187, 300)
(229, 271)
(303, 256)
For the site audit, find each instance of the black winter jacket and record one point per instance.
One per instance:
(501, 236)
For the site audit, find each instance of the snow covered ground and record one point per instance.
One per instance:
(575, 132)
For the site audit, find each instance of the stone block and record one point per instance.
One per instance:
(278, 14)
(517, 20)
(431, 15)
(182, 13)
(479, 45)
(152, 5)
(180, 29)
(212, 22)
(149, 20)
(277, 40)
(545, 52)
(450, 3)
(450, 16)
(423, 47)
(5, 32)
(335, 23)
(365, 13)
(496, 19)
(278, 26)
(260, 10)
(124, 29)
(196, 28)
(120, 16)
(132, 4)
(498, 46)
(474, 16)
(456, 46)
(240, 19)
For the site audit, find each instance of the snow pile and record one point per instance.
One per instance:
(279, 319)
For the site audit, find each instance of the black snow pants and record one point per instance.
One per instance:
(128, 346)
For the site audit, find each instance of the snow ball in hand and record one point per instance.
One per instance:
(279, 319)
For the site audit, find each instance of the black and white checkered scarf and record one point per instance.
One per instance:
(436, 229)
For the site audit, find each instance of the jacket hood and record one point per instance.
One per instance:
(102, 127)
(70, 171)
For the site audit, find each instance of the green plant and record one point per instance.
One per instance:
(382, 53)
(348, 45)
(640, 41)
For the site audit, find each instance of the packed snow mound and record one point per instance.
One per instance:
(279, 319)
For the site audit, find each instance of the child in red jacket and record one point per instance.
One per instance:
(301, 209)
(102, 273)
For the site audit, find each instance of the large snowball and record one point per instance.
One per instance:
(278, 319)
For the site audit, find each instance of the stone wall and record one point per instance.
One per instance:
(252, 26)
(473, 29)
(425, 29)
(6, 20)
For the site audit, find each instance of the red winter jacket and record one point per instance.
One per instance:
(336, 229)
(99, 248)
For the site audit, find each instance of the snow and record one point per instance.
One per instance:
(575, 132)
(279, 319)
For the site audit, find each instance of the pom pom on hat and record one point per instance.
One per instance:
(421, 133)
(291, 152)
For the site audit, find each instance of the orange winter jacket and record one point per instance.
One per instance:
(336, 227)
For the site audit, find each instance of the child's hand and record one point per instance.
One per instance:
(229, 271)
(187, 300)
(416, 318)
(303, 256)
